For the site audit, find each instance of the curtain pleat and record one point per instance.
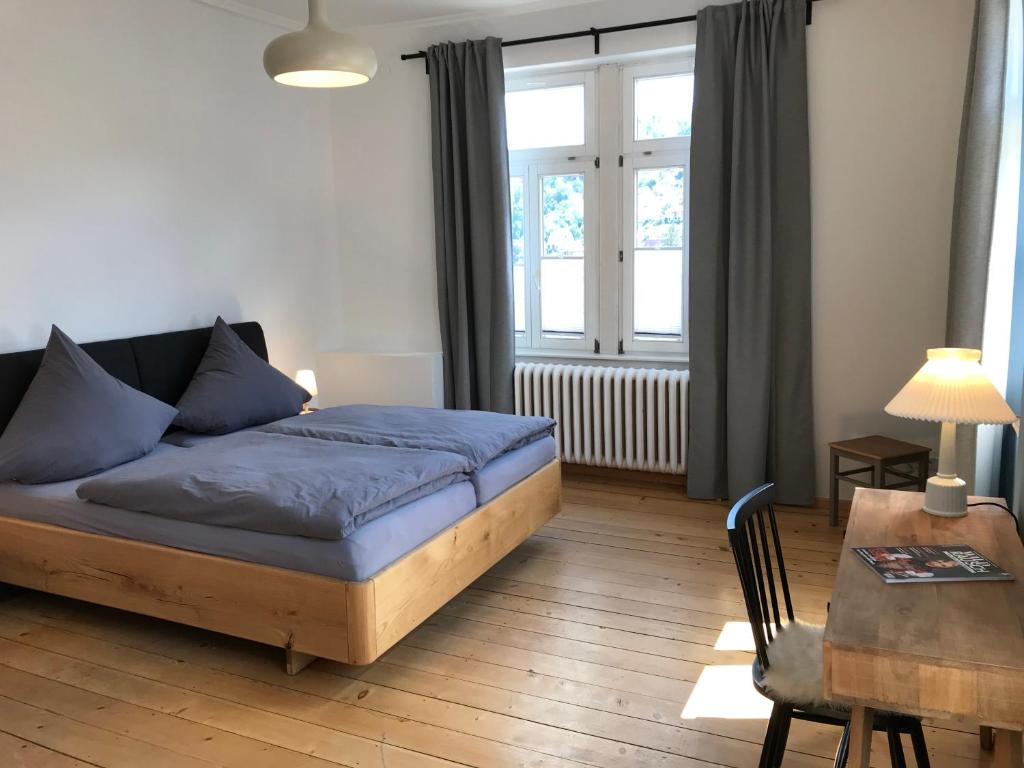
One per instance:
(472, 227)
(751, 413)
(977, 172)
(974, 200)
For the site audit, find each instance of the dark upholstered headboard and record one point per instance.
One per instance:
(160, 365)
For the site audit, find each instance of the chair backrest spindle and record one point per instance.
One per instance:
(782, 567)
(768, 568)
(765, 612)
(759, 566)
(744, 563)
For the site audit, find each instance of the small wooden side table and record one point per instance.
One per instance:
(878, 456)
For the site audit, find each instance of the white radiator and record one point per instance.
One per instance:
(633, 418)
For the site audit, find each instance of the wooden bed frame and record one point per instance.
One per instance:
(309, 616)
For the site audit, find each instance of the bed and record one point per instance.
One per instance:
(348, 599)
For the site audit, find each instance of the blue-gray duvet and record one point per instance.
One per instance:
(479, 436)
(278, 483)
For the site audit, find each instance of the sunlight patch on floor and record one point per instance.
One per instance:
(726, 692)
(735, 636)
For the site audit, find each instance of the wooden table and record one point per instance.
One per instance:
(953, 650)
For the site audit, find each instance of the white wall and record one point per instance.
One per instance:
(152, 176)
(886, 89)
(886, 92)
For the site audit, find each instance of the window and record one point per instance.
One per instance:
(562, 254)
(564, 124)
(554, 210)
(517, 188)
(653, 261)
(600, 222)
(662, 105)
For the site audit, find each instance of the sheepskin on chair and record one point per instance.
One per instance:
(795, 661)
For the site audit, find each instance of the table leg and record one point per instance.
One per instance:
(1008, 749)
(833, 510)
(987, 737)
(862, 720)
(922, 474)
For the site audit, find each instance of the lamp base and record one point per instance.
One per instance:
(945, 496)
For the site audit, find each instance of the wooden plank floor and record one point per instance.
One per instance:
(581, 648)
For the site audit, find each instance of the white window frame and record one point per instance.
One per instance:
(608, 226)
(524, 340)
(540, 80)
(532, 164)
(532, 173)
(630, 144)
(631, 164)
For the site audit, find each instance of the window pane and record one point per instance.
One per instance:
(562, 240)
(659, 195)
(516, 192)
(561, 303)
(659, 207)
(658, 294)
(662, 106)
(545, 117)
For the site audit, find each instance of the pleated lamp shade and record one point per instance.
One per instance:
(952, 387)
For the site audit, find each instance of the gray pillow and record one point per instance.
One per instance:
(234, 388)
(76, 420)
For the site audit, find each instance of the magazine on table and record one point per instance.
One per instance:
(931, 563)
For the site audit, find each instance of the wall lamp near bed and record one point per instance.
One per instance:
(306, 379)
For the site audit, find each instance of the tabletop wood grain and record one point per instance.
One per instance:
(939, 650)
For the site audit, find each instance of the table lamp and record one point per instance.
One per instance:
(951, 388)
(307, 380)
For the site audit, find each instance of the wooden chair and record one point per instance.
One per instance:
(757, 549)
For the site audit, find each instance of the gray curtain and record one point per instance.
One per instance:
(974, 201)
(471, 223)
(977, 170)
(751, 417)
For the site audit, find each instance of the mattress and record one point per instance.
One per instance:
(371, 548)
(500, 474)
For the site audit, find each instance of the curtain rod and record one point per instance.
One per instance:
(594, 32)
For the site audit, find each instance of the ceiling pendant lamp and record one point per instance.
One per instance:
(318, 56)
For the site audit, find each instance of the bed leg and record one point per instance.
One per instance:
(296, 661)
